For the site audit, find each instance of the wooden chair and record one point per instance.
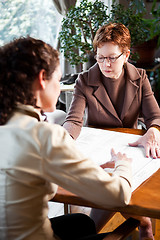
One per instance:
(122, 231)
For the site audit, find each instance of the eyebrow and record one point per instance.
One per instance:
(109, 55)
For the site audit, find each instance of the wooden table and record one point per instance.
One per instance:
(145, 200)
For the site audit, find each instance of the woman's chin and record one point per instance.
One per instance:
(107, 74)
(50, 109)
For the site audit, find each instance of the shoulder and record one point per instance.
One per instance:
(134, 73)
(56, 141)
(90, 77)
(51, 132)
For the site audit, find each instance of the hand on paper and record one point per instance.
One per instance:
(115, 157)
(150, 141)
(110, 164)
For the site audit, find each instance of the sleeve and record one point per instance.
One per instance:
(74, 119)
(64, 165)
(150, 108)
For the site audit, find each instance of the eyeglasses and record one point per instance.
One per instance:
(110, 59)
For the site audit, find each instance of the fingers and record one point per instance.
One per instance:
(147, 151)
(151, 148)
(114, 155)
(152, 151)
(158, 152)
(119, 156)
(151, 143)
(113, 152)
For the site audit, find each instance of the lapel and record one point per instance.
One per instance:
(130, 92)
(132, 77)
(101, 95)
(94, 79)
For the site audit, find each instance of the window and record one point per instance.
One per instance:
(39, 19)
(109, 4)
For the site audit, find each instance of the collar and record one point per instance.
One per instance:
(30, 111)
(94, 74)
(132, 72)
(94, 80)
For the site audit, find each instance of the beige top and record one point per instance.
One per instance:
(34, 154)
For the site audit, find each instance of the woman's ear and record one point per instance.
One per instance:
(42, 78)
(127, 55)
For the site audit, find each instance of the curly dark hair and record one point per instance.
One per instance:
(20, 63)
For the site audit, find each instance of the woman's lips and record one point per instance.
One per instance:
(107, 71)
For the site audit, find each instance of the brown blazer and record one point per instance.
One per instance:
(91, 94)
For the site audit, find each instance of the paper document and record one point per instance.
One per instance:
(96, 144)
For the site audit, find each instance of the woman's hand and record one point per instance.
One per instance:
(150, 141)
(115, 157)
(110, 164)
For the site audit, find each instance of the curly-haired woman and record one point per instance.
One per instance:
(37, 156)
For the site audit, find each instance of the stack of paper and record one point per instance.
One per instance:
(97, 143)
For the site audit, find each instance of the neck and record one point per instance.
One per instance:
(118, 75)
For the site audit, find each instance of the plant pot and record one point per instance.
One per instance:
(146, 52)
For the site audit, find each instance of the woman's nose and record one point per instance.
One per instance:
(107, 62)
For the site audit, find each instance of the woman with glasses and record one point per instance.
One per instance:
(114, 92)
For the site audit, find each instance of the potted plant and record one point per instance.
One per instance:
(154, 23)
(143, 38)
(145, 32)
(79, 28)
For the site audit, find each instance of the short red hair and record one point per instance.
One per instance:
(116, 33)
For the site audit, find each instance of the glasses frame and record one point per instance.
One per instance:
(109, 59)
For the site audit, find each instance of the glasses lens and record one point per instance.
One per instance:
(112, 59)
(100, 59)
